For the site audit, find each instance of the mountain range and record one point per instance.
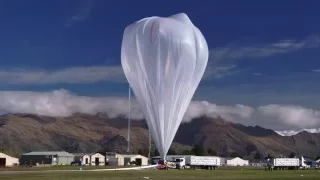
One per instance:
(20, 133)
(294, 132)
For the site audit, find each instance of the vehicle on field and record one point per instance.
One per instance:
(166, 165)
(286, 163)
(198, 162)
(188, 161)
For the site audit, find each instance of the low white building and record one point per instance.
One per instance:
(92, 159)
(83, 158)
(97, 159)
(113, 159)
(43, 158)
(8, 161)
(136, 158)
(126, 159)
(234, 161)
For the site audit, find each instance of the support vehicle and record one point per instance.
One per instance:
(286, 163)
(198, 162)
(187, 161)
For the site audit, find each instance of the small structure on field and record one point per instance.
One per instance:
(257, 163)
(113, 159)
(97, 159)
(234, 161)
(137, 159)
(46, 158)
(8, 161)
(92, 159)
(125, 159)
(311, 163)
(81, 159)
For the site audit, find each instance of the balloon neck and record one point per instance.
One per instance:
(163, 158)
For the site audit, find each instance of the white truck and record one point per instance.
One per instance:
(201, 162)
(286, 163)
(170, 158)
(191, 161)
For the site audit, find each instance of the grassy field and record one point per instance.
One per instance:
(162, 174)
(58, 168)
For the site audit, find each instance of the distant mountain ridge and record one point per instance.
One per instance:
(295, 132)
(21, 133)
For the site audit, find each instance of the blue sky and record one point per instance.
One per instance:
(261, 52)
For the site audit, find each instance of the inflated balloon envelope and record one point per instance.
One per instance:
(164, 59)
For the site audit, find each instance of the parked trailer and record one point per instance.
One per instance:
(198, 162)
(284, 163)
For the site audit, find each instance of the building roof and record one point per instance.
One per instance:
(111, 153)
(44, 153)
(154, 157)
(82, 154)
(230, 158)
(131, 155)
(6, 156)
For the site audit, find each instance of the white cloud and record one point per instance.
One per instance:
(257, 51)
(221, 57)
(232, 113)
(215, 69)
(84, 11)
(296, 116)
(86, 75)
(75, 75)
(220, 71)
(64, 103)
(257, 74)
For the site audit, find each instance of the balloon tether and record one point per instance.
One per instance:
(129, 118)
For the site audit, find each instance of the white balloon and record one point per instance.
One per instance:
(164, 59)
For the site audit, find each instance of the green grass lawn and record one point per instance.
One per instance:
(166, 175)
(58, 168)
